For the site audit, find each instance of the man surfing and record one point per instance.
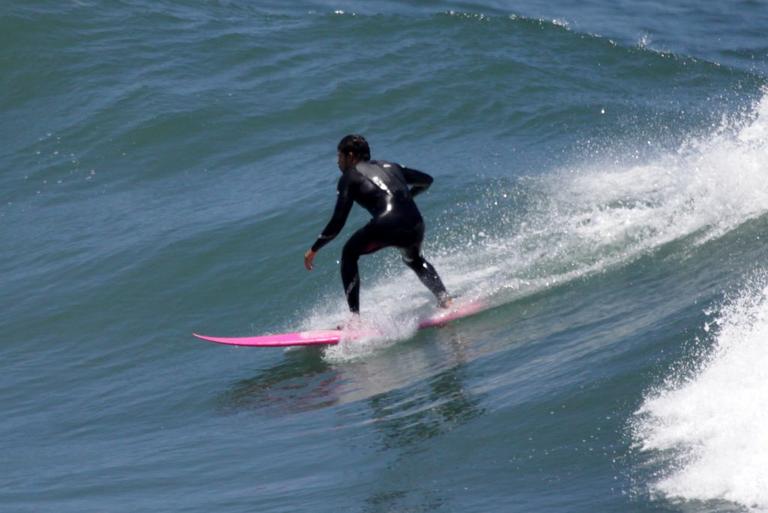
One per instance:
(386, 190)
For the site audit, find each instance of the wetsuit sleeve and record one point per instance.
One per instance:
(418, 180)
(344, 201)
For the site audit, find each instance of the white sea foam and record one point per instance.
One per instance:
(709, 433)
(708, 187)
(393, 319)
(603, 214)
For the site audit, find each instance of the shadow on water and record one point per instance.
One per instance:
(303, 381)
(409, 418)
(429, 408)
(403, 397)
(413, 392)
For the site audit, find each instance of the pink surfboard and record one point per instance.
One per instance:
(331, 337)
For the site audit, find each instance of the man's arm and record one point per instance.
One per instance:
(418, 180)
(344, 203)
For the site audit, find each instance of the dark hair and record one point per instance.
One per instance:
(356, 145)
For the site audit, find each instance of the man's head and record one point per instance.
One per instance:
(353, 149)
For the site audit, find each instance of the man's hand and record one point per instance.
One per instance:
(309, 257)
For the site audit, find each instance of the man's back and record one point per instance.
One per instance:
(382, 187)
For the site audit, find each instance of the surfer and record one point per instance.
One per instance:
(386, 190)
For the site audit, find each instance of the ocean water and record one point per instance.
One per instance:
(601, 177)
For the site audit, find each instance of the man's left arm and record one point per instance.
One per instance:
(344, 203)
(418, 180)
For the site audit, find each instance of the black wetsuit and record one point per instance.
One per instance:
(383, 189)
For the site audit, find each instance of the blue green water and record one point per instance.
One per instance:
(601, 176)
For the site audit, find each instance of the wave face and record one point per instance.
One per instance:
(600, 178)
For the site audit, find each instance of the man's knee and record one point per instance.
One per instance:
(414, 261)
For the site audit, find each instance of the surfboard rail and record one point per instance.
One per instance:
(334, 336)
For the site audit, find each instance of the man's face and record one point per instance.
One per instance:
(345, 161)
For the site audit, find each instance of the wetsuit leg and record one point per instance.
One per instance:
(362, 242)
(379, 234)
(426, 273)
